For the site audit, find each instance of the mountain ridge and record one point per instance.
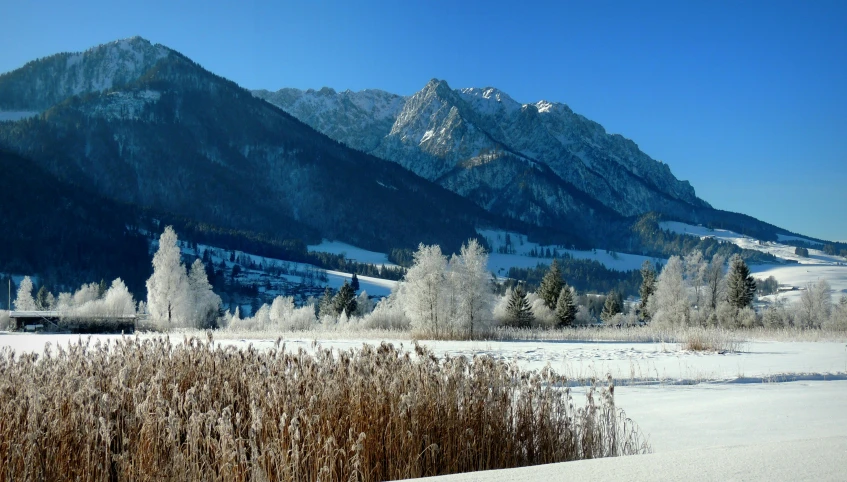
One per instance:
(439, 128)
(180, 139)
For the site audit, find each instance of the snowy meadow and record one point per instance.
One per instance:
(441, 375)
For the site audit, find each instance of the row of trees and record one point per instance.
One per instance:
(90, 301)
(693, 291)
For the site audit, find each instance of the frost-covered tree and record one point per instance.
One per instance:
(648, 286)
(518, 312)
(85, 294)
(715, 282)
(740, 285)
(364, 304)
(388, 314)
(473, 283)
(24, 300)
(422, 297)
(566, 307)
(551, 285)
(695, 275)
(167, 288)
(117, 300)
(204, 302)
(815, 305)
(838, 319)
(669, 305)
(281, 309)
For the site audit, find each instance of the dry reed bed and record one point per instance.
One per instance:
(146, 409)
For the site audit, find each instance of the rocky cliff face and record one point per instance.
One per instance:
(473, 140)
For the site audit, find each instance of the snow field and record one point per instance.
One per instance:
(779, 250)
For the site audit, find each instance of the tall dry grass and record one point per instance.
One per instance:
(146, 409)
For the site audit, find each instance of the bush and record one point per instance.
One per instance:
(147, 409)
(717, 340)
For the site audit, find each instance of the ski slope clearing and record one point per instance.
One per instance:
(779, 250)
(518, 253)
(352, 253)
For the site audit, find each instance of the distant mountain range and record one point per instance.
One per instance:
(540, 162)
(143, 126)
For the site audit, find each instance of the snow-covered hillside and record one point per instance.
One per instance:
(352, 253)
(818, 265)
(276, 277)
(510, 249)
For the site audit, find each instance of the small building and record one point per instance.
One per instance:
(58, 321)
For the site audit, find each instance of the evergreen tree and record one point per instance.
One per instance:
(345, 300)
(612, 307)
(518, 310)
(354, 282)
(206, 303)
(648, 287)
(41, 301)
(740, 284)
(566, 307)
(551, 285)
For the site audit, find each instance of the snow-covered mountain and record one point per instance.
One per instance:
(478, 141)
(45, 82)
(144, 125)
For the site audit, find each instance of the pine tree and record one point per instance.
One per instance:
(648, 287)
(565, 307)
(42, 299)
(354, 282)
(345, 300)
(519, 313)
(206, 303)
(739, 283)
(612, 307)
(551, 285)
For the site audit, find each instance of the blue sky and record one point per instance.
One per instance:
(747, 100)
